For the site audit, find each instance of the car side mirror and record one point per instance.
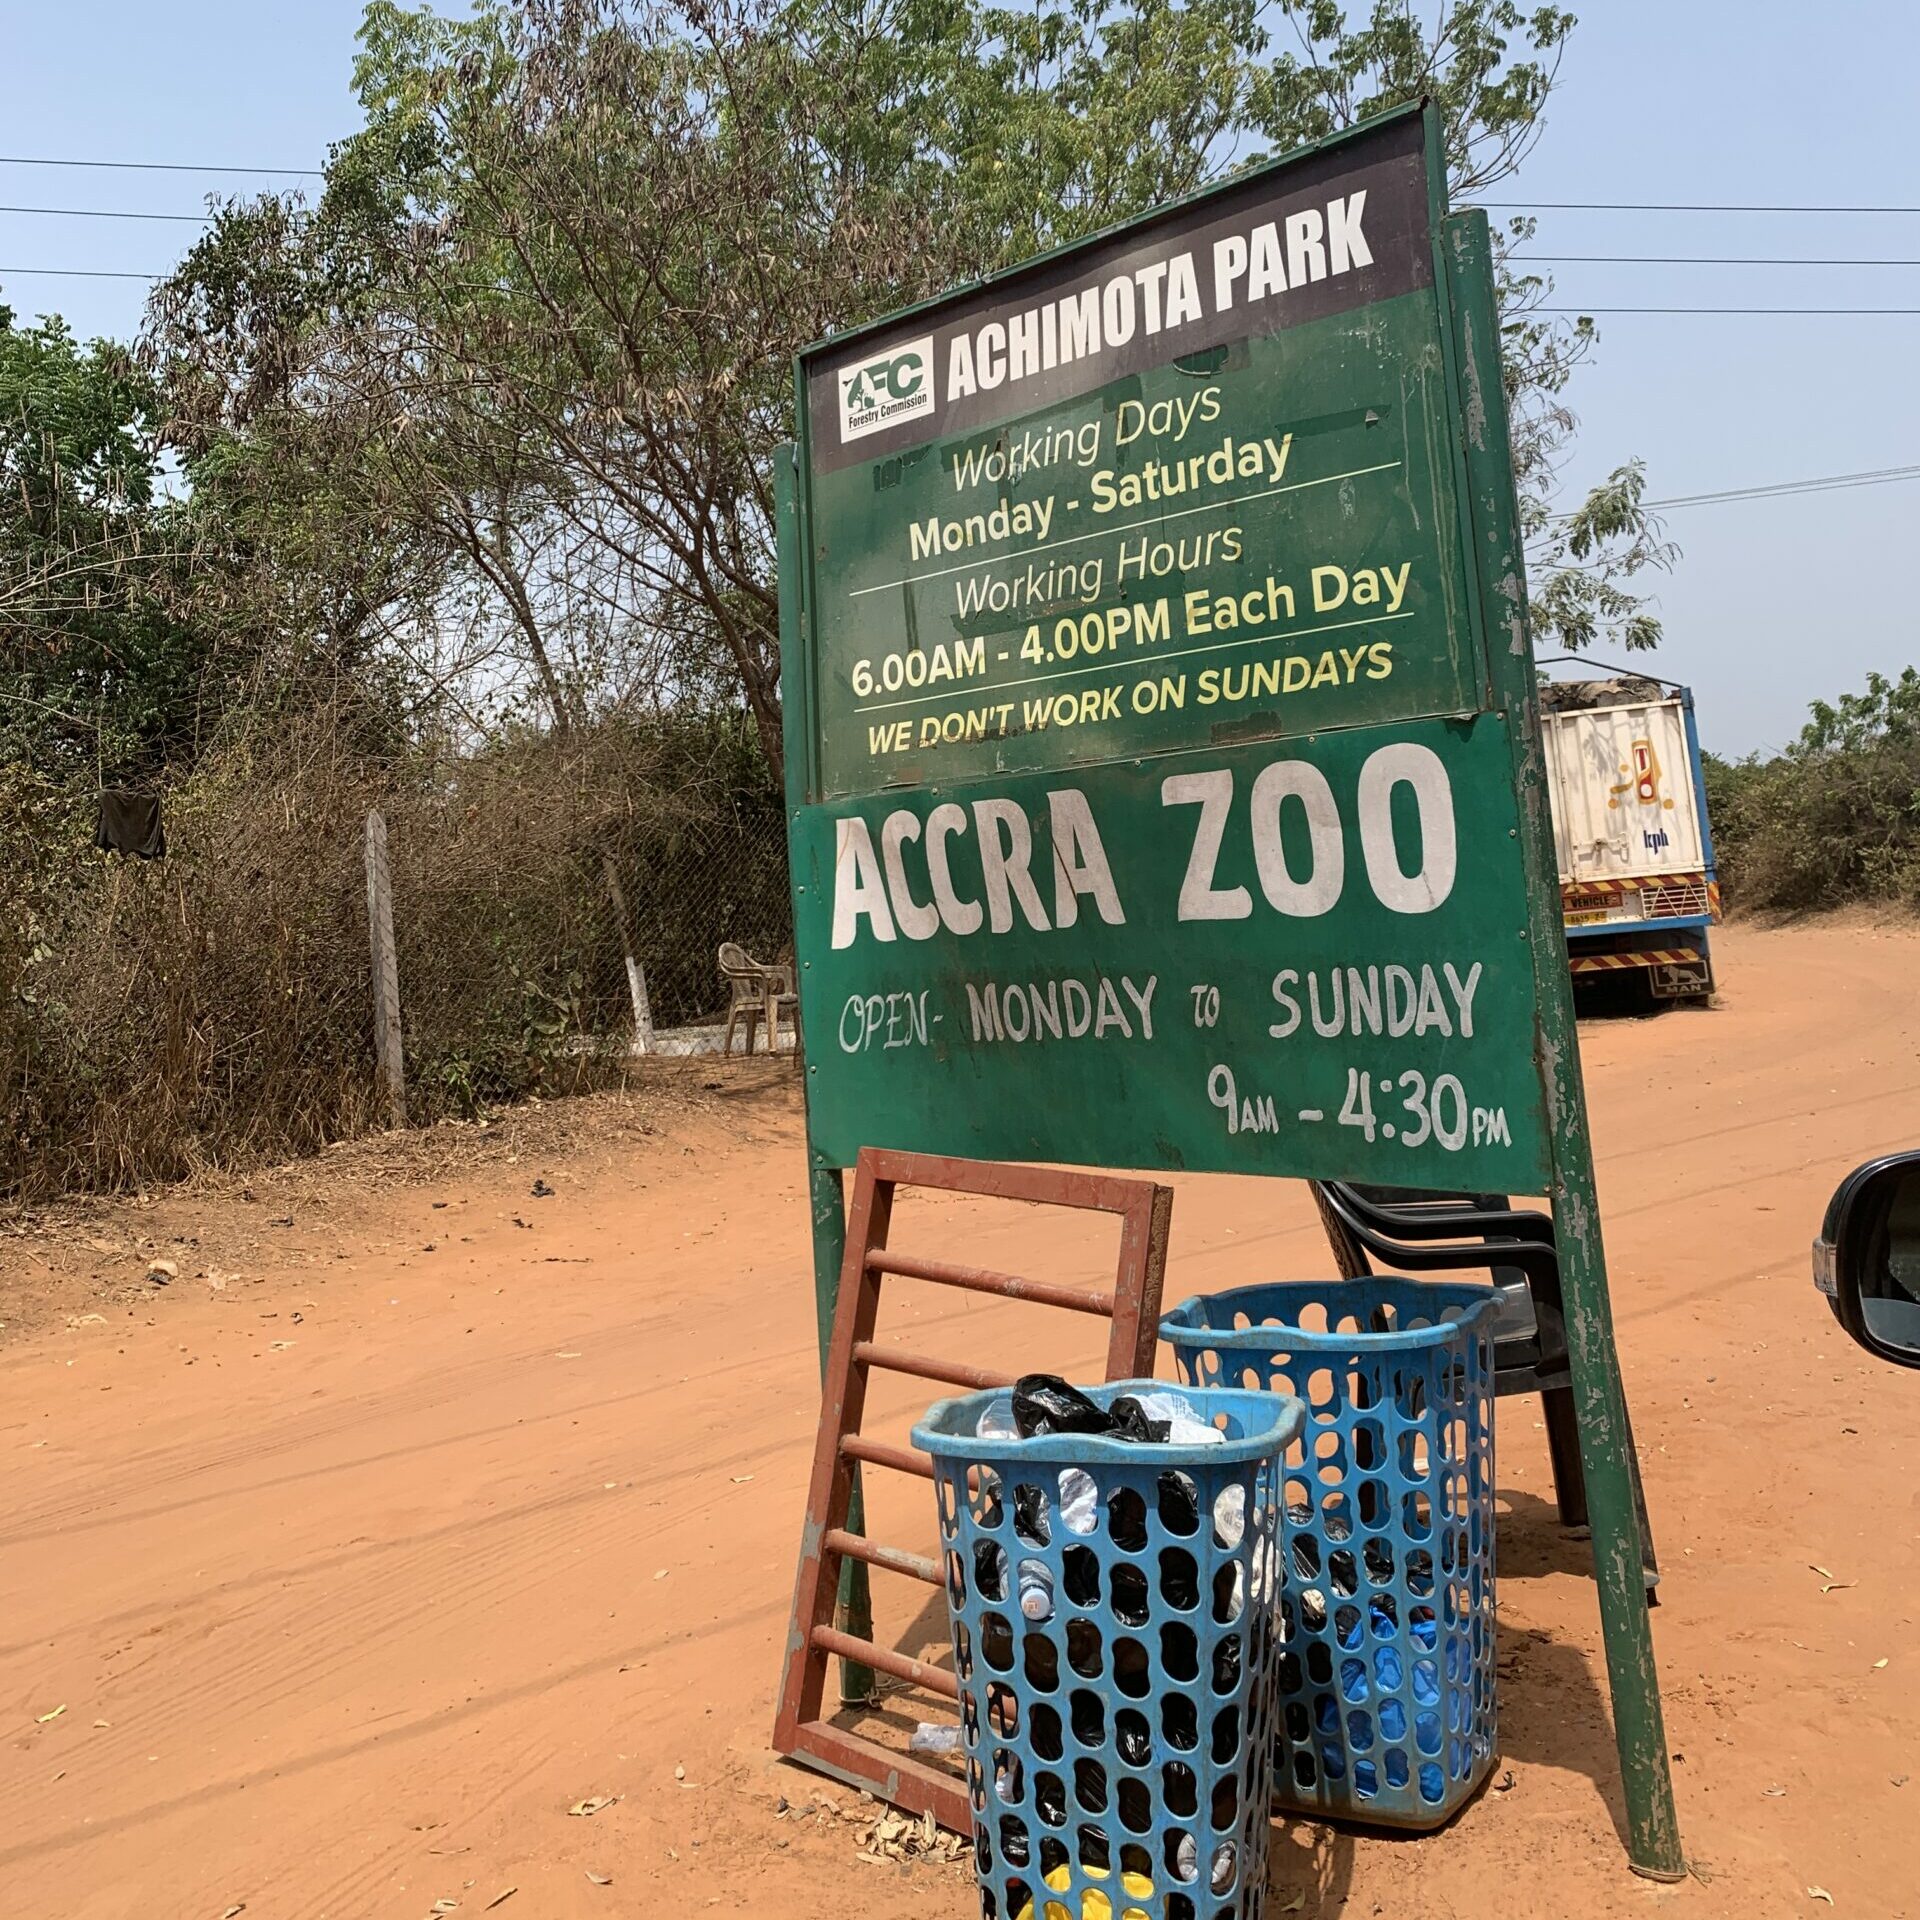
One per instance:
(1867, 1259)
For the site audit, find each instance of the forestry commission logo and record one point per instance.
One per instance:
(892, 386)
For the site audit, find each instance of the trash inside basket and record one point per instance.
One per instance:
(1385, 1675)
(1112, 1611)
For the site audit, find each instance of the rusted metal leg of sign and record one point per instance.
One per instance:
(833, 1543)
(854, 1612)
(1653, 1831)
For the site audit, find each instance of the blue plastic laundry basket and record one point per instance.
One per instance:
(1385, 1676)
(1112, 1610)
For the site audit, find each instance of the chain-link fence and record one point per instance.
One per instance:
(550, 900)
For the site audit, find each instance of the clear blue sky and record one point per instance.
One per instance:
(1774, 602)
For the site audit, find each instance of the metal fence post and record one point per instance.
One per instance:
(636, 973)
(386, 971)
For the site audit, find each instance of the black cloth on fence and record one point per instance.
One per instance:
(130, 823)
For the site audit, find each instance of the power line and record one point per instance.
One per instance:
(1690, 260)
(1657, 206)
(155, 166)
(111, 213)
(1834, 311)
(1825, 483)
(1505, 206)
(1777, 490)
(78, 273)
(108, 273)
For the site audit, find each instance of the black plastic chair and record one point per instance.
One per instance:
(1414, 1231)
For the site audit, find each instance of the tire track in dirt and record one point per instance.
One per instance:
(425, 1726)
(249, 1650)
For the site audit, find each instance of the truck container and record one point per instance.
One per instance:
(1635, 852)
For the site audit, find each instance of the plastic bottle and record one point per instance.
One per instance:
(1230, 1515)
(1079, 1501)
(1224, 1861)
(928, 1737)
(1036, 1589)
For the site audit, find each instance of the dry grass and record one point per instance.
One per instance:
(213, 1010)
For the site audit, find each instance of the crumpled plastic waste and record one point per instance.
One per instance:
(1185, 1428)
(1044, 1403)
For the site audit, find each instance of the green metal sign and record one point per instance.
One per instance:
(1295, 957)
(1241, 543)
(1163, 758)
(1141, 715)
(1192, 484)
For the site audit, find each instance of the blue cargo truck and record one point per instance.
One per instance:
(1638, 891)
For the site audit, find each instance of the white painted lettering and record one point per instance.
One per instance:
(956, 915)
(1316, 894)
(858, 887)
(1005, 864)
(1420, 768)
(1212, 793)
(1079, 861)
(914, 920)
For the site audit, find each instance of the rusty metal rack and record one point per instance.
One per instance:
(801, 1732)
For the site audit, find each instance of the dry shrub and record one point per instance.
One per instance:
(1807, 833)
(214, 1008)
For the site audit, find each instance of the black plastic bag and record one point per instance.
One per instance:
(1044, 1403)
(1179, 1505)
(1226, 1664)
(1130, 1422)
(1030, 1515)
(1050, 1799)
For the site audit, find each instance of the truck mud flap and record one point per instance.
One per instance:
(1673, 973)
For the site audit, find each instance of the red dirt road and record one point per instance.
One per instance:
(326, 1590)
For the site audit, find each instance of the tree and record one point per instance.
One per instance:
(526, 364)
(1337, 71)
(631, 219)
(1887, 714)
(94, 669)
(1833, 819)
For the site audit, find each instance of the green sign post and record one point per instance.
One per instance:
(1163, 753)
